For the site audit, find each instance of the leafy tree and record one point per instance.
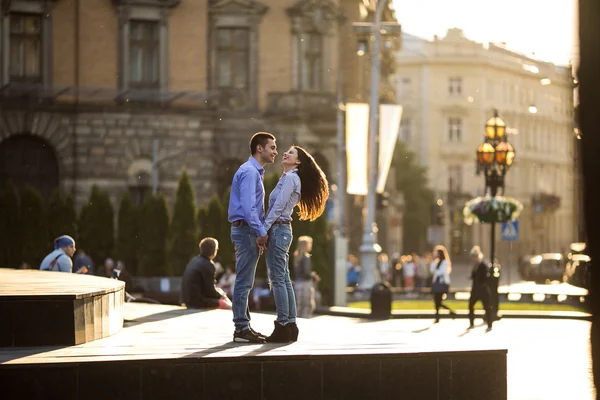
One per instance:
(62, 219)
(184, 226)
(411, 179)
(10, 233)
(34, 230)
(127, 233)
(153, 236)
(96, 226)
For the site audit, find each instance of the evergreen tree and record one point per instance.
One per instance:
(61, 217)
(184, 226)
(34, 230)
(127, 233)
(411, 179)
(214, 225)
(153, 236)
(96, 226)
(226, 251)
(10, 233)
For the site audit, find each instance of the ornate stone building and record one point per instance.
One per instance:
(92, 90)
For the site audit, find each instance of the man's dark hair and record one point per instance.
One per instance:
(208, 247)
(260, 138)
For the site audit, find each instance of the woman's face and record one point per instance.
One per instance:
(290, 157)
(440, 254)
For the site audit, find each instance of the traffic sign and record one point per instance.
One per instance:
(510, 231)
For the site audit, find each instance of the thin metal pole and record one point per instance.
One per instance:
(154, 166)
(369, 248)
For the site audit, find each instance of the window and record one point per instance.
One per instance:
(405, 88)
(455, 179)
(490, 89)
(454, 86)
(314, 27)
(232, 58)
(406, 130)
(25, 47)
(234, 52)
(312, 68)
(143, 47)
(454, 129)
(143, 54)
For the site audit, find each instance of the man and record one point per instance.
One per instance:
(249, 237)
(60, 259)
(480, 290)
(198, 284)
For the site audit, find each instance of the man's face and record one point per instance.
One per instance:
(269, 152)
(69, 250)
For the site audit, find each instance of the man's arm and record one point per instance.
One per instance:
(208, 278)
(64, 264)
(282, 199)
(248, 183)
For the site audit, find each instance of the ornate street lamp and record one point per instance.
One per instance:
(494, 157)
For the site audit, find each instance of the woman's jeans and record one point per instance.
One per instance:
(246, 259)
(305, 298)
(278, 247)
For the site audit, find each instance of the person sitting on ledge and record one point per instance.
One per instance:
(198, 288)
(60, 259)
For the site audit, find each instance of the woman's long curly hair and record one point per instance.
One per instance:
(315, 188)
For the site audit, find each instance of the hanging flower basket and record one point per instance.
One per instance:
(491, 209)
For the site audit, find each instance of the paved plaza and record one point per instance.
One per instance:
(547, 359)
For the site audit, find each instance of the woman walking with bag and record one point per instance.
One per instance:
(440, 268)
(303, 183)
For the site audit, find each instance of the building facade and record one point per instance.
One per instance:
(93, 91)
(449, 87)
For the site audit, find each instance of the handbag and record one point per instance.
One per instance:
(437, 286)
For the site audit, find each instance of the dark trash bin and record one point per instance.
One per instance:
(381, 301)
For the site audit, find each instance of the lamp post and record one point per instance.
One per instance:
(494, 157)
(369, 249)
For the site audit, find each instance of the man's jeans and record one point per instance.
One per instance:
(246, 259)
(278, 247)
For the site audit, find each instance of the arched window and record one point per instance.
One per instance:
(28, 160)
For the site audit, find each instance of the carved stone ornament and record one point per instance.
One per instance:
(150, 3)
(252, 7)
(317, 15)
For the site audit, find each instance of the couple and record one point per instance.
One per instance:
(303, 184)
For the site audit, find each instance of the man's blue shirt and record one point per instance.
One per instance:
(246, 201)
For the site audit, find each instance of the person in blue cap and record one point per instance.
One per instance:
(60, 259)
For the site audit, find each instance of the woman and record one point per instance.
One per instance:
(304, 278)
(303, 184)
(440, 268)
(480, 290)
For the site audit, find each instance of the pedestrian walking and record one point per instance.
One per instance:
(440, 268)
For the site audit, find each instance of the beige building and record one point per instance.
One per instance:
(449, 87)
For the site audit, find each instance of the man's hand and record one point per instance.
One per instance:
(261, 242)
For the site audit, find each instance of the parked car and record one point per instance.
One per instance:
(578, 270)
(546, 266)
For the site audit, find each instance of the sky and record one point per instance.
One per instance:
(547, 28)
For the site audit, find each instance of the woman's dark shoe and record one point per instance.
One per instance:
(281, 334)
(293, 331)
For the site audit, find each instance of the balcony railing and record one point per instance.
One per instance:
(314, 105)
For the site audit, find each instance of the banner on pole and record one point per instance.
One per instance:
(389, 128)
(357, 133)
